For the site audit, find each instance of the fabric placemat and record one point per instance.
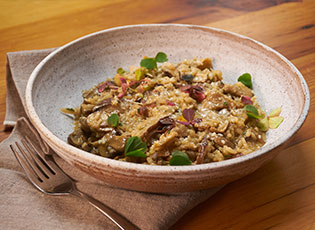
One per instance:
(24, 207)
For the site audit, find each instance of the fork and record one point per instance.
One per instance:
(47, 177)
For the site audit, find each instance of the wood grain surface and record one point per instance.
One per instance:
(280, 195)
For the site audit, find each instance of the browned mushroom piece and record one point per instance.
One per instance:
(162, 125)
(136, 159)
(222, 141)
(219, 127)
(111, 145)
(167, 74)
(206, 63)
(202, 151)
(76, 139)
(238, 89)
(105, 103)
(86, 109)
(143, 111)
(216, 101)
(165, 143)
(89, 93)
(84, 125)
(117, 143)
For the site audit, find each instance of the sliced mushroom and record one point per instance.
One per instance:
(103, 104)
(221, 141)
(86, 109)
(221, 127)
(216, 101)
(206, 63)
(89, 93)
(217, 127)
(117, 143)
(84, 125)
(76, 139)
(168, 74)
(161, 126)
(238, 89)
(165, 142)
(143, 111)
(202, 151)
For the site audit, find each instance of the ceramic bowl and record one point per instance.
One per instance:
(60, 78)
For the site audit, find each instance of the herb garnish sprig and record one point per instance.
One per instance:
(246, 79)
(113, 120)
(179, 158)
(135, 147)
(264, 122)
(151, 63)
(252, 112)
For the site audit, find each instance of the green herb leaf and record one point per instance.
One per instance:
(180, 158)
(252, 109)
(161, 57)
(136, 153)
(254, 116)
(135, 147)
(70, 109)
(113, 120)
(274, 122)
(246, 79)
(149, 63)
(252, 112)
(263, 124)
(121, 71)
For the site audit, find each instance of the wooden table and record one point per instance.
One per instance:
(280, 195)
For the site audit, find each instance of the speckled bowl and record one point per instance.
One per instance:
(60, 78)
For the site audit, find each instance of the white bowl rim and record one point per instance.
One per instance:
(157, 169)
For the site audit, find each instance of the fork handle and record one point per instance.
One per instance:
(111, 214)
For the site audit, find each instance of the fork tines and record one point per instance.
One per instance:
(32, 161)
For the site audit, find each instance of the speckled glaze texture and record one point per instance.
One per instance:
(60, 78)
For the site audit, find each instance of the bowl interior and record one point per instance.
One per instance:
(88, 61)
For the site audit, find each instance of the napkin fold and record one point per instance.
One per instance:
(24, 207)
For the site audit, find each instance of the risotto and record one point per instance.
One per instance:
(171, 114)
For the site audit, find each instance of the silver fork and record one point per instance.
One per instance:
(46, 176)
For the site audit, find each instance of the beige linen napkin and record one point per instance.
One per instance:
(24, 207)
